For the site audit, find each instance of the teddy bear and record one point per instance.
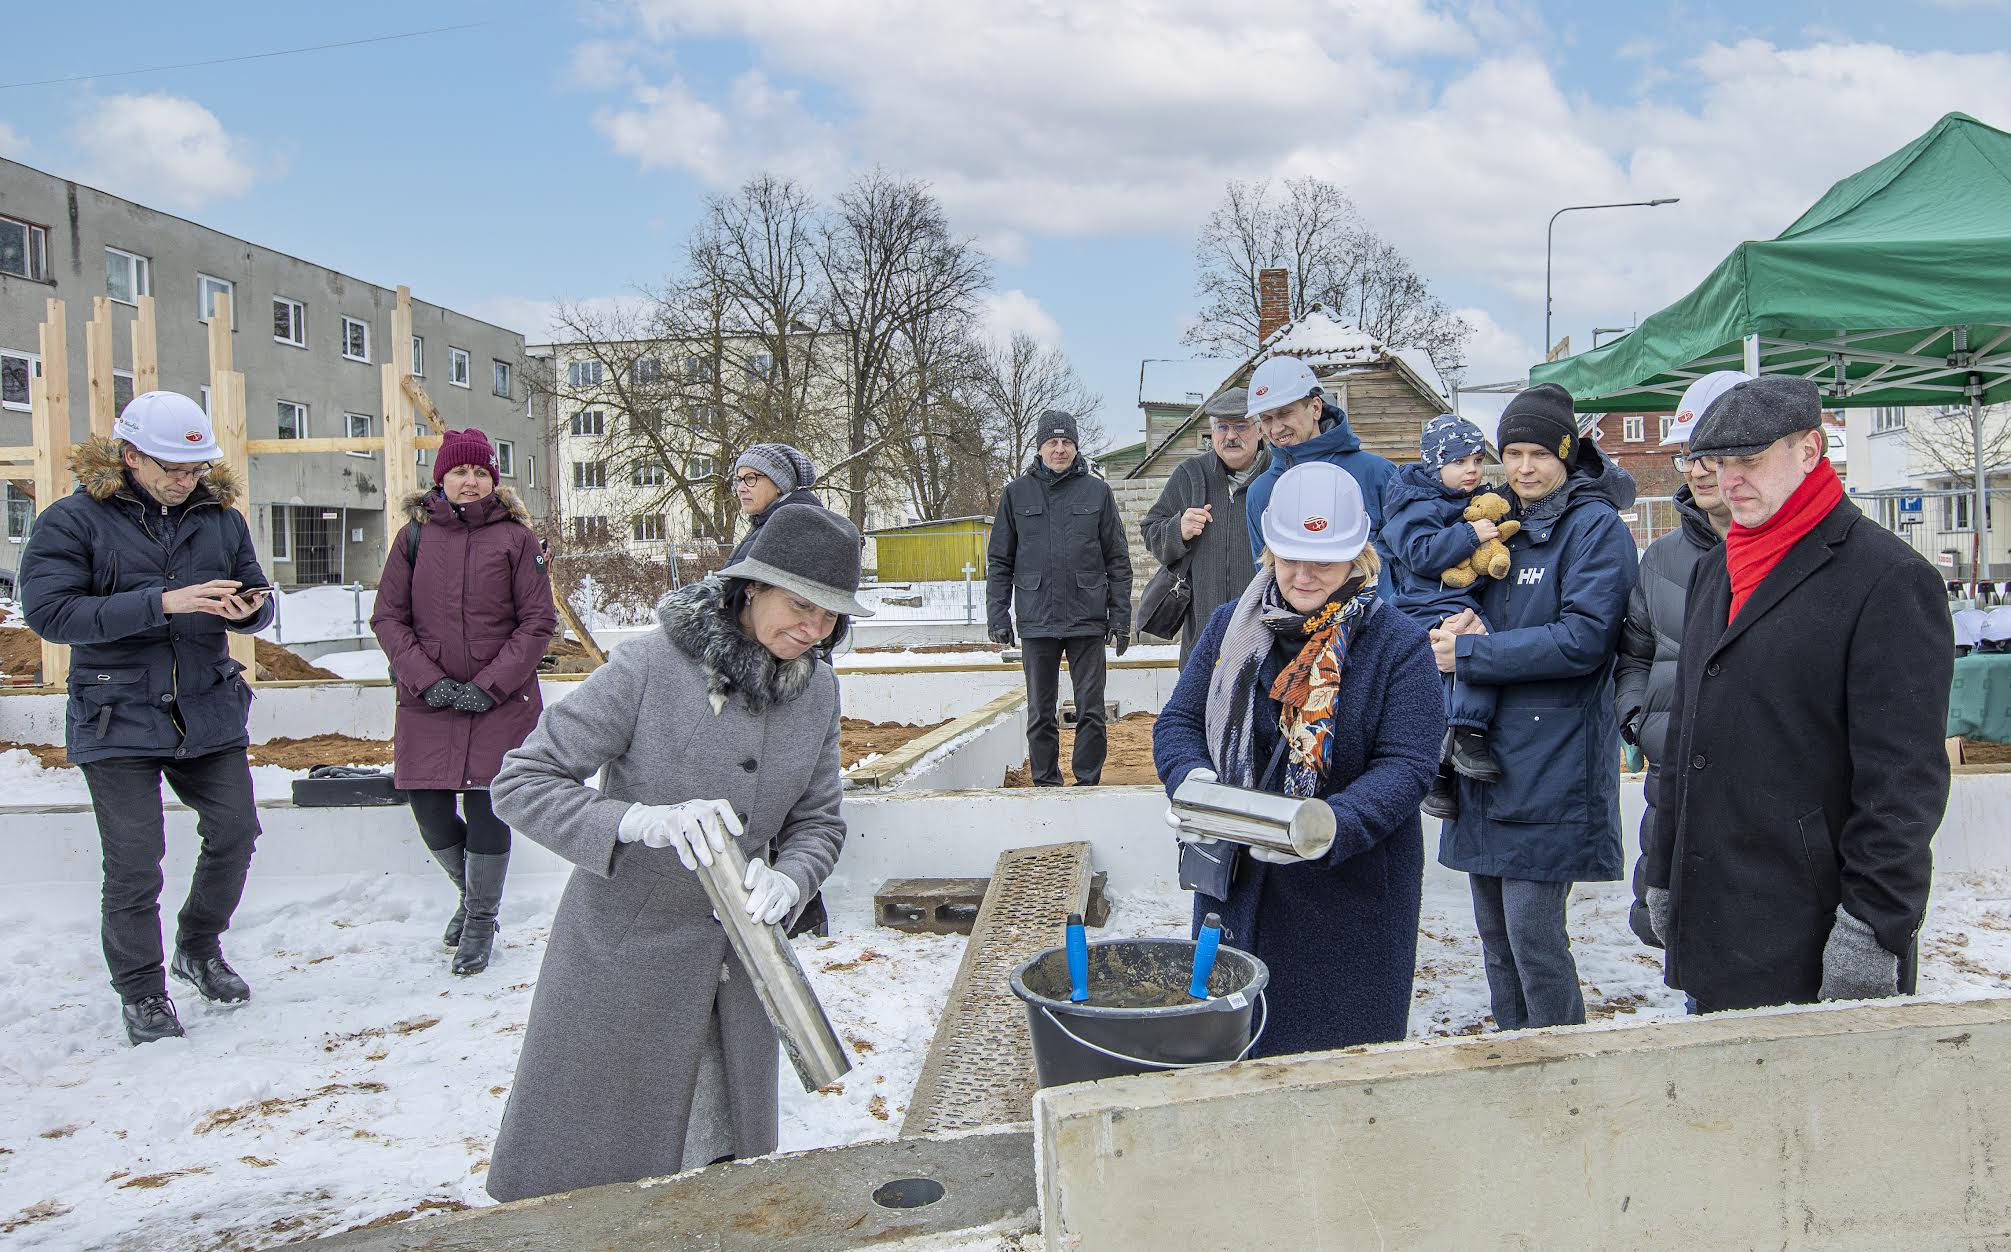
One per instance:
(1491, 558)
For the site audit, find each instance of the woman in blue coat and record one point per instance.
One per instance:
(1308, 685)
(1552, 632)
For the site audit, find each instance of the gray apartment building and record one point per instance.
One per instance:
(309, 341)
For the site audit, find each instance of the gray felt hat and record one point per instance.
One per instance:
(809, 551)
(1751, 416)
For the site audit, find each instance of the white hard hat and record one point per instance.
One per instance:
(169, 427)
(1316, 514)
(1277, 382)
(1698, 397)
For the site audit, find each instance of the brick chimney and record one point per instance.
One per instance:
(1274, 302)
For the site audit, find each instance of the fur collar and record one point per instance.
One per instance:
(415, 505)
(100, 466)
(695, 619)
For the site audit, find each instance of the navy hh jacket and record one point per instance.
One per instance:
(1425, 534)
(1057, 559)
(1339, 934)
(141, 683)
(1336, 444)
(1554, 624)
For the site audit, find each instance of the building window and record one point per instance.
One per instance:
(699, 369)
(500, 373)
(128, 275)
(590, 422)
(1887, 419)
(506, 458)
(589, 474)
(20, 512)
(203, 395)
(281, 531)
(590, 529)
(289, 321)
(647, 528)
(207, 290)
(763, 366)
(585, 374)
(1636, 429)
(419, 427)
(122, 390)
(16, 369)
(644, 370)
(292, 420)
(457, 366)
(357, 426)
(1957, 510)
(700, 467)
(649, 474)
(356, 339)
(418, 357)
(24, 249)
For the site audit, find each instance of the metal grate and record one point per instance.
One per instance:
(979, 1070)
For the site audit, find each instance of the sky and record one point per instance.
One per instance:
(553, 151)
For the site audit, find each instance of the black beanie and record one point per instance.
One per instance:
(1055, 422)
(1542, 415)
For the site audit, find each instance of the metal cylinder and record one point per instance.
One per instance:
(1256, 819)
(813, 1047)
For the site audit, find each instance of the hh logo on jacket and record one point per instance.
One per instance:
(1530, 577)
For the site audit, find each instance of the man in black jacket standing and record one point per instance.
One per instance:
(1058, 562)
(141, 571)
(1791, 858)
(1644, 676)
(1199, 516)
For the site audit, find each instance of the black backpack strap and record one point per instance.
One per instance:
(412, 544)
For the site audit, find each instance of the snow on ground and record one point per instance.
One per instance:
(311, 613)
(363, 663)
(25, 781)
(849, 661)
(364, 1082)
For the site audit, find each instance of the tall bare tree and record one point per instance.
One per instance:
(1014, 383)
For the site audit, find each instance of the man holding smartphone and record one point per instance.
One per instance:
(141, 570)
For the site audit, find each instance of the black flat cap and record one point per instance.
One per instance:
(1751, 416)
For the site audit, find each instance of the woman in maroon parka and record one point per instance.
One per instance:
(464, 612)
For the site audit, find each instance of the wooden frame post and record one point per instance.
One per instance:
(146, 349)
(102, 396)
(49, 403)
(227, 405)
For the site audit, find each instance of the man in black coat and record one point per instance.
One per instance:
(141, 570)
(1807, 775)
(1058, 561)
(1644, 676)
(1199, 516)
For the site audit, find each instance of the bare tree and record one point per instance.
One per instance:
(1014, 383)
(1333, 258)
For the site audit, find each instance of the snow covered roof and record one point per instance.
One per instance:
(1322, 339)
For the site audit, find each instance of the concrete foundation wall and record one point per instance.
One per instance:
(1874, 1127)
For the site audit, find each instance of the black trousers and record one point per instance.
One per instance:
(1041, 660)
(126, 797)
(476, 825)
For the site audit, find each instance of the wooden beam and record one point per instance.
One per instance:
(332, 443)
(399, 471)
(401, 332)
(219, 343)
(416, 394)
(19, 452)
(17, 473)
(102, 393)
(227, 405)
(56, 366)
(146, 349)
(52, 478)
(578, 627)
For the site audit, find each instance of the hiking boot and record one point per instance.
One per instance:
(209, 975)
(149, 1018)
(485, 898)
(1442, 801)
(1470, 755)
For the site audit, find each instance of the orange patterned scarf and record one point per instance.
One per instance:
(1305, 689)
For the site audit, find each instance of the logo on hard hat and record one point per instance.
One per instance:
(1684, 417)
(1264, 391)
(194, 436)
(1315, 524)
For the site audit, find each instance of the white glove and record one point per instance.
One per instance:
(1200, 774)
(770, 893)
(696, 828)
(1275, 858)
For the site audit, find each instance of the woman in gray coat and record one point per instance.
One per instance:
(647, 1051)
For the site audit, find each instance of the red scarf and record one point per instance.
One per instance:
(1751, 552)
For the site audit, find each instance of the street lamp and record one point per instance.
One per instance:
(1605, 330)
(1550, 231)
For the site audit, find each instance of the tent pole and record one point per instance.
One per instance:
(1979, 515)
(1751, 364)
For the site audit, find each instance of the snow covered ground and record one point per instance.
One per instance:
(25, 781)
(363, 663)
(364, 1083)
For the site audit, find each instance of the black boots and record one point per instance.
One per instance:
(485, 874)
(1469, 755)
(453, 860)
(1442, 801)
(209, 975)
(149, 1018)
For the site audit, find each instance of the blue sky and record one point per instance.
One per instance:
(559, 151)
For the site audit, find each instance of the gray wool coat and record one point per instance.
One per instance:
(636, 968)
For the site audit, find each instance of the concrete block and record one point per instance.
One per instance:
(1882, 1126)
(949, 906)
(1070, 717)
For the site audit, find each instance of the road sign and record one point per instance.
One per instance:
(1912, 504)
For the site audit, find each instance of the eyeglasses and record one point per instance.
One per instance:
(748, 480)
(197, 470)
(1235, 430)
(1683, 463)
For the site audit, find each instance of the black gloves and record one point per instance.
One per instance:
(1002, 635)
(1120, 640)
(449, 693)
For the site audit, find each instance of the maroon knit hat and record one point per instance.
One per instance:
(464, 447)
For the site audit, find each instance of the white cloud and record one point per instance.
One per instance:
(1006, 312)
(11, 142)
(1494, 354)
(538, 321)
(166, 149)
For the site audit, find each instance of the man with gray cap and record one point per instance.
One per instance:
(767, 477)
(1806, 772)
(1057, 561)
(1198, 521)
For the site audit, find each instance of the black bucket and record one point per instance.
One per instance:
(1139, 1018)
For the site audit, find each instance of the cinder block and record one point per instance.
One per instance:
(1069, 718)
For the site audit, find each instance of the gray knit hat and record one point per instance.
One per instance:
(787, 468)
(809, 551)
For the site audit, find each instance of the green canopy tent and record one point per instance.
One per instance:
(1893, 289)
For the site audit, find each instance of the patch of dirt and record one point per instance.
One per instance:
(858, 740)
(1127, 760)
(428, 1205)
(21, 656)
(151, 1181)
(278, 664)
(321, 750)
(218, 1118)
(864, 958)
(877, 1106)
(935, 647)
(40, 1211)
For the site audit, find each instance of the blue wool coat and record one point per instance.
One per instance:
(1340, 933)
(1424, 534)
(1555, 628)
(1338, 445)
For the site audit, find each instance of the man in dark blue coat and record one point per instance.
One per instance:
(1552, 626)
(1058, 562)
(141, 570)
